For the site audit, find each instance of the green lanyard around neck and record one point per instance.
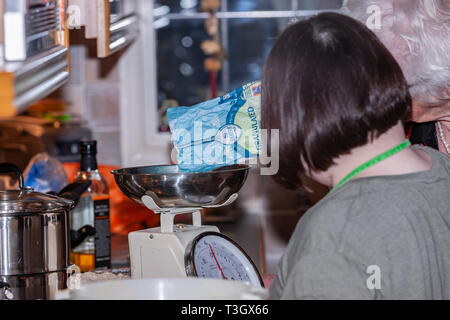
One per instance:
(402, 146)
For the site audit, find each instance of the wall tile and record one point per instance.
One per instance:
(108, 148)
(73, 96)
(103, 106)
(104, 70)
(77, 54)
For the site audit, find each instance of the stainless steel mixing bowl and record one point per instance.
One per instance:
(170, 188)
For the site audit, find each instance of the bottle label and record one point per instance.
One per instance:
(102, 233)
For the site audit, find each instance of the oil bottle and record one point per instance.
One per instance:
(92, 212)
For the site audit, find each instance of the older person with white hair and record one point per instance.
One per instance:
(417, 32)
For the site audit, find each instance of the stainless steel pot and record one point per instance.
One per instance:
(42, 286)
(34, 241)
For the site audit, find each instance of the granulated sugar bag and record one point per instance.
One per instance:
(219, 132)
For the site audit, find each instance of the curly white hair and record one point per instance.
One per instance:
(417, 32)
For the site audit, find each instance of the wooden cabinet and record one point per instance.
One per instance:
(34, 52)
(34, 43)
(113, 23)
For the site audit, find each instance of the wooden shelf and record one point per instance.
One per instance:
(111, 36)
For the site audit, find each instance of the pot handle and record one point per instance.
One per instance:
(6, 168)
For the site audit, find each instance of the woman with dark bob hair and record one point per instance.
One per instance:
(340, 100)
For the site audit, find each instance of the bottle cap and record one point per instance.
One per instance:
(88, 147)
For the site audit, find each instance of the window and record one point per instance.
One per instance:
(248, 29)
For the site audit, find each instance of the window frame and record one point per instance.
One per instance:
(141, 141)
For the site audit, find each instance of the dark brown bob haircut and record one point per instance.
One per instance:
(329, 85)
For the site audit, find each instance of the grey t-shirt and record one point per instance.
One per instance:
(385, 237)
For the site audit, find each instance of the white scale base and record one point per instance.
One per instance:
(155, 254)
(159, 252)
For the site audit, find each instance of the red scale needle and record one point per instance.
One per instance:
(217, 262)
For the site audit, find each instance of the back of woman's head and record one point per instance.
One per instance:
(329, 85)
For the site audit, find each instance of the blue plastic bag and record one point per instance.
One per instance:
(219, 132)
(45, 174)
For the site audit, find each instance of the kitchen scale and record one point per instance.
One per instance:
(178, 250)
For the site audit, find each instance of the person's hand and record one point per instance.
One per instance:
(267, 279)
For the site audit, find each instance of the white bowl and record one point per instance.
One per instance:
(166, 289)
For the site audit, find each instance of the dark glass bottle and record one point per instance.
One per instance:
(93, 210)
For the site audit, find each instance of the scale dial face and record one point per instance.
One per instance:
(213, 255)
